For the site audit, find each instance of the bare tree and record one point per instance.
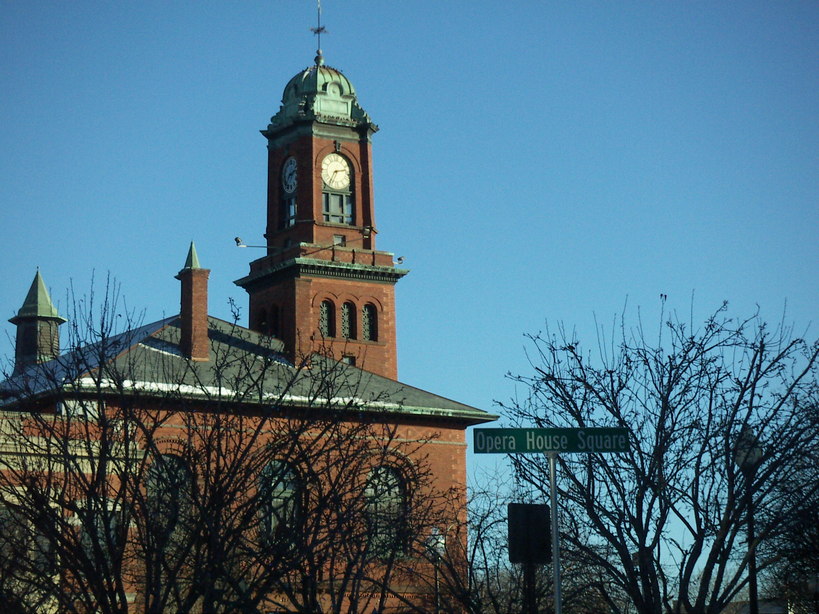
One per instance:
(666, 523)
(144, 481)
(793, 545)
(475, 575)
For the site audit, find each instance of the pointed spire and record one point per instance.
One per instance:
(192, 261)
(38, 303)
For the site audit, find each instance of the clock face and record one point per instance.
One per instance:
(335, 171)
(289, 175)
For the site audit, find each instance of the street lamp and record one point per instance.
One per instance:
(436, 545)
(747, 456)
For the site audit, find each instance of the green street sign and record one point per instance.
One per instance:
(538, 441)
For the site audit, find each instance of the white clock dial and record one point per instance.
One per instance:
(335, 171)
(289, 175)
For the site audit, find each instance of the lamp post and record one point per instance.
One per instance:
(437, 547)
(747, 456)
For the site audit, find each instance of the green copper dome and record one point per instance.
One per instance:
(320, 93)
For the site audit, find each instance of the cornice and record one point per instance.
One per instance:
(313, 267)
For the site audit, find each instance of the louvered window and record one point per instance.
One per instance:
(327, 319)
(348, 323)
(369, 322)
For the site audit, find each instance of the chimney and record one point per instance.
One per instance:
(38, 333)
(193, 317)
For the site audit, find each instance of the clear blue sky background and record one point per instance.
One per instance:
(536, 160)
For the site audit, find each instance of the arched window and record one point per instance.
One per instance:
(386, 503)
(327, 319)
(168, 486)
(369, 322)
(348, 321)
(280, 494)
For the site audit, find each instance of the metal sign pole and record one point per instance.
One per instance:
(555, 533)
(595, 440)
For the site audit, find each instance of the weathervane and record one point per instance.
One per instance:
(317, 31)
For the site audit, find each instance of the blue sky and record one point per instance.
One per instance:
(537, 161)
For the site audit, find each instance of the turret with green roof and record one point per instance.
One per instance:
(37, 321)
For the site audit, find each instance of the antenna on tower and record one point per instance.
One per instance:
(318, 31)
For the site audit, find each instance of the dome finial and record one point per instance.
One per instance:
(318, 31)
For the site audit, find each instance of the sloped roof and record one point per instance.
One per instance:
(245, 369)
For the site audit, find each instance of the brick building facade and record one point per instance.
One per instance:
(315, 369)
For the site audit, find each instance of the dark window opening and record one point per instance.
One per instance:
(103, 532)
(338, 208)
(281, 509)
(169, 485)
(261, 321)
(273, 325)
(386, 512)
(21, 540)
(288, 211)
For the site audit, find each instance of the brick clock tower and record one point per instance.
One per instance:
(323, 286)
